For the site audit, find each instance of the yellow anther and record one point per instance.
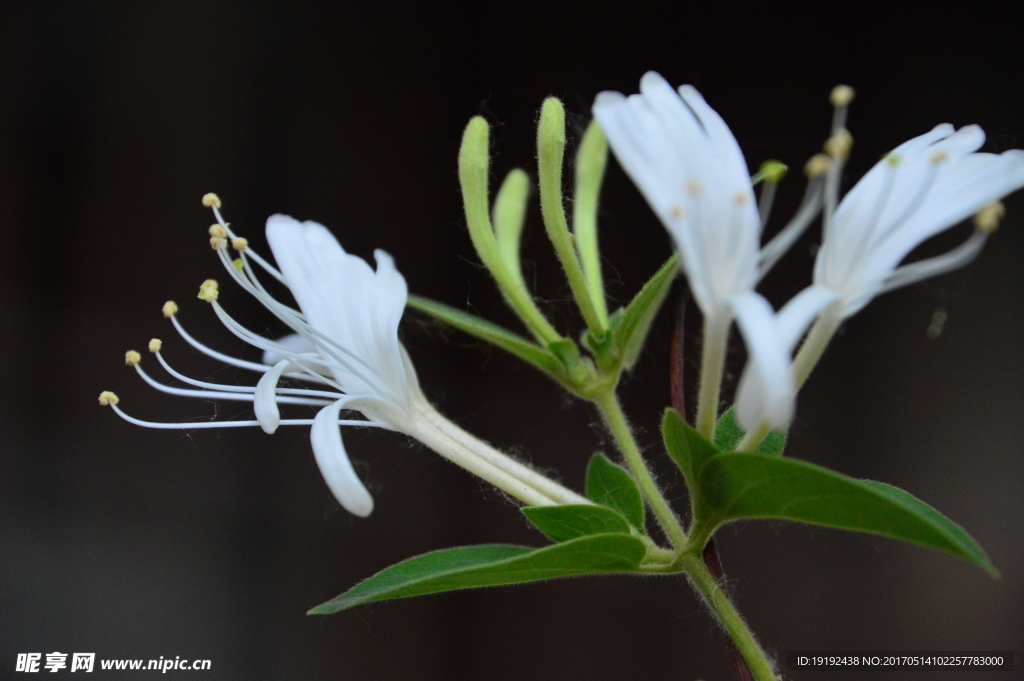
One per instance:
(208, 290)
(211, 200)
(170, 309)
(841, 95)
(108, 398)
(217, 243)
(817, 165)
(838, 145)
(131, 358)
(772, 171)
(940, 156)
(240, 244)
(155, 345)
(987, 219)
(218, 230)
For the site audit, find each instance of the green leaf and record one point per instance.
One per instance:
(562, 523)
(611, 486)
(630, 330)
(740, 485)
(493, 565)
(728, 434)
(492, 333)
(686, 447)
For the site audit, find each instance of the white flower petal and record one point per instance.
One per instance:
(334, 463)
(769, 363)
(293, 343)
(264, 401)
(688, 166)
(761, 395)
(345, 300)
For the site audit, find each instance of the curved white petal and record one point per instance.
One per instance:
(264, 401)
(768, 364)
(761, 395)
(334, 464)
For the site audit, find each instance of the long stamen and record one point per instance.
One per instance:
(840, 98)
(805, 214)
(770, 174)
(959, 257)
(233, 361)
(215, 204)
(240, 388)
(234, 424)
(221, 395)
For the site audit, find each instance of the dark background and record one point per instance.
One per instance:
(116, 118)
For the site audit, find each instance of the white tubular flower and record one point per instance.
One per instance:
(687, 164)
(345, 343)
(921, 188)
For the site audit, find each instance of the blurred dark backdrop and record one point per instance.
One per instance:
(115, 118)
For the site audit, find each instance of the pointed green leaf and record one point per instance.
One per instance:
(685, 446)
(740, 485)
(631, 327)
(563, 523)
(728, 434)
(611, 486)
(493, 565)
(492, 333)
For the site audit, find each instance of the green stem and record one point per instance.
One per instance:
(611, 410)
(712, 363)
(729, 618)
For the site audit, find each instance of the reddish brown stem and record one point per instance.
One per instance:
(710, 555)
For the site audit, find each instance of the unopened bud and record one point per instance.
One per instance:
(841, 95)
(155, 345)
(211, 200)
(987, 219)
(839, 144)
(131, 358)
(208, 290)
(170, 309)
(108, 398)
(817, 165)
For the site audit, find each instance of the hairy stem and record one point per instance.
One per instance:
(611, 410)
(730, 619)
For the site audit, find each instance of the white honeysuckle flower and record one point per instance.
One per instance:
(685, 161)
(345, 343)
(687, 164)
(921, 188)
